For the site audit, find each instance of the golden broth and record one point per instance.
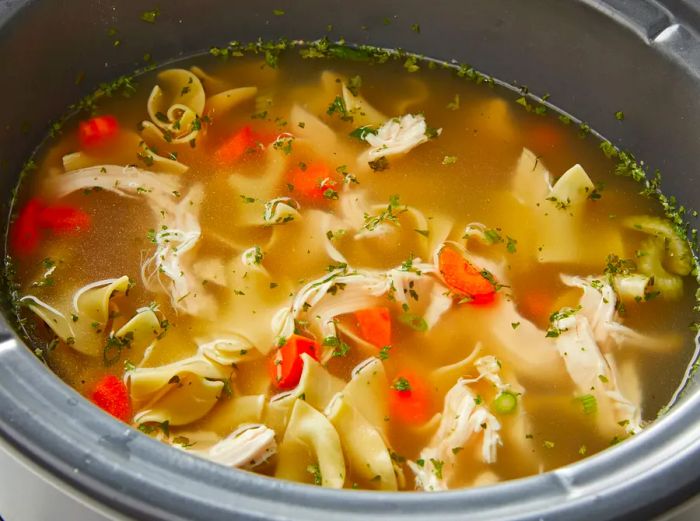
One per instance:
(462, 176)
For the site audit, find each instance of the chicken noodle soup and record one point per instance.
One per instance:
(350, 275)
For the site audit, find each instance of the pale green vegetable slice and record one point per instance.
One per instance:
(678, 257)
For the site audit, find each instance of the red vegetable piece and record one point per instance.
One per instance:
(97, 131)
(112, 396)
(463, 279)
(413, 404)
(375, 325)
(314, 180)
(25, 232)
(286, 363)
(242, 142)
(545, 136)
(63, 219)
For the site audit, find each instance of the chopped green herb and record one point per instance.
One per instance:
(384, 352)
(329, 193)
(415, 322)
(150, 16)
(315, 472)
(388, 215)
(401, 384)
(437, 467)
(183, 441)
(554, 330)
(411, 64)
(338, 106)
(340, 348)
(379, 164)
(614, 265)
(449, 160)
(362, 132)
(492, 236)
(454, 104)
(354, 85)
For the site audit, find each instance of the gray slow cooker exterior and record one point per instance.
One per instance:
(593, 56)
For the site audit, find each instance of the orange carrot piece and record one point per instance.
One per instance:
(538, 305)
(242, 142)
(375, 325)
(464, 279)
(410, 401)
(111, 395)
(285, 365)
(313, 180)
(545, 136)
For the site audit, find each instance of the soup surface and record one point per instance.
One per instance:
(350, 275)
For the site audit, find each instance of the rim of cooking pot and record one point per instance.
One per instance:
(51, 425)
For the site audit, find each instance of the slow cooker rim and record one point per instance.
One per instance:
(101, 454)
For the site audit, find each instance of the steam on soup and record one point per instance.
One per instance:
(350, 276)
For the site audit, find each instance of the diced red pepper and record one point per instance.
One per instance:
(463, 279)
(97, 131)
(63, 219)
(245, 141)
(314, 180)
(285, 365)
(25, 232)
(375, 325)
(111, 395)
(412, 405)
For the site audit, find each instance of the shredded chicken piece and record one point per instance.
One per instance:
(594, 375)
(361, 289)
(398, 136)
(599, 306)
(462, 420)
(488, 368)
(247, 447)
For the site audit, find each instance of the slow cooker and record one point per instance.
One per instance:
(593, 57)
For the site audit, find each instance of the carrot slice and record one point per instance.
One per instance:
(314, 180)
(63, 219)
(25, 232)
(243, 142)
(97, 131)
(286, 364)
(375, 325)
(463, 278)
(410, 401)
(111, 395)
(545, 136)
